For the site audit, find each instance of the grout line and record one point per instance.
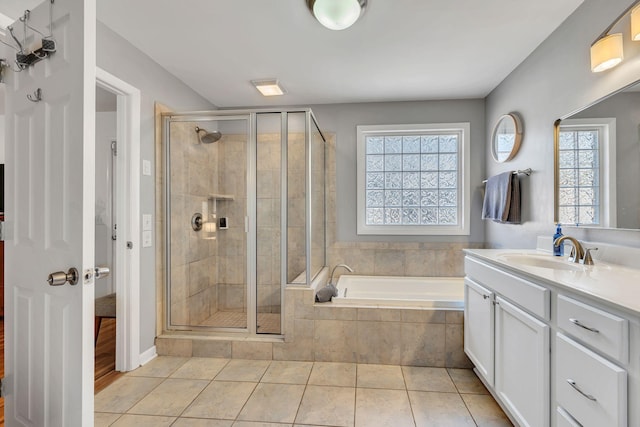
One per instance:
(252, 392)
(406, 390)
(463, 401)
(469, 410)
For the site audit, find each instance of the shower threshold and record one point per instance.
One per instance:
(268, 323)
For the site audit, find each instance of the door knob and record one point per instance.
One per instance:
(101, 272)
(60, 277)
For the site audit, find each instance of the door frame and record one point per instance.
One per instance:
(127, 274)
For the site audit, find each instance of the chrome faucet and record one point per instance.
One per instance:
(334, 270)
(578, 252)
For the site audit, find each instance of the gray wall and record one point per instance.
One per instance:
(342, 119)
(118, 57)
(552, 82)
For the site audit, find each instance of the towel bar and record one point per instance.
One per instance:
(526, 171)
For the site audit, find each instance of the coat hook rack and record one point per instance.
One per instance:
(26, 59)
(36, 97)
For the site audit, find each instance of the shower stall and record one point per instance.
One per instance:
(244, 200)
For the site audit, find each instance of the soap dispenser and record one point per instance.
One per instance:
(558, 250)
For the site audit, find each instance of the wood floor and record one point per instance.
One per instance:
(105, 361)
(2, 369)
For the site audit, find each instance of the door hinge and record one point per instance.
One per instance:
(114, 148)
(2, 387)
(1, 231)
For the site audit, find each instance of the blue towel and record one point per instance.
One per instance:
(502, 199)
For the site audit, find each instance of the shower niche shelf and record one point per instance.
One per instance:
(221, 197)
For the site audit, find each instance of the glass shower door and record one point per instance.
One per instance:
(207, 195)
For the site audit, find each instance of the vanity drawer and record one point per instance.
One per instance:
(563, 419)
(603, 331)
(533, 298)
(592, 389)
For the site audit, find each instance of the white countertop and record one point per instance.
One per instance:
(610, 283)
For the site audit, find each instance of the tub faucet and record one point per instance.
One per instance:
(334, 270)
(578, 254)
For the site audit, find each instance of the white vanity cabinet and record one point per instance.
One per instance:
(478, 327)
(522, 364)
(550, 355)
(508, 345)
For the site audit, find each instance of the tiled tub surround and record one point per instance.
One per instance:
(325, 332)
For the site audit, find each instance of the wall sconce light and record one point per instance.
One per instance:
(337, 14)
(635, 24)
(607, 51)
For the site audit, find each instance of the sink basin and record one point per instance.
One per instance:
(541, 261)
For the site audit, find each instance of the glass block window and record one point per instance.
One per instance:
(586, 172)
(579, 175)
(411, 179)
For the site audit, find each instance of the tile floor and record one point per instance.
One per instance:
(199, 392)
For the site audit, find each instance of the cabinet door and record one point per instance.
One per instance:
(478, 327)
(522, 364)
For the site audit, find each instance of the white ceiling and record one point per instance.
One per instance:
(399, 50)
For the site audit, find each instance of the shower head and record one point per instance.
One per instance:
(208, 137)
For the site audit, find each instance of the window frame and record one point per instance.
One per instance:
(606, 128)
(463, 188)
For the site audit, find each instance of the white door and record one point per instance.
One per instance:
(478, 327)
(522, 364)
(50, 218)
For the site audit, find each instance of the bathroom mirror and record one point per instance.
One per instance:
(506, 138)
(597, 163)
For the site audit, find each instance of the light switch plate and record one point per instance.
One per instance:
(147, 222)
(146, 167)
(146, 239)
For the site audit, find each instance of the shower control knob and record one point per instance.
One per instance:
(197, 221)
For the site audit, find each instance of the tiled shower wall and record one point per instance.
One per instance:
(232, 246)
(210, 275)
(296, 229)
(193, 259)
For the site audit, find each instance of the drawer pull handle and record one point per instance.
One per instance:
(485, 296)
(573, 384)
(578, 323)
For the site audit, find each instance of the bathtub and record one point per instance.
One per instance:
(391, 291)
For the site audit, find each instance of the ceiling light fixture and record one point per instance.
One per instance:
(269, 87)
(337, 14)
(608, 50)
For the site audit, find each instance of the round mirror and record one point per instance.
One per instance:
(506, 139)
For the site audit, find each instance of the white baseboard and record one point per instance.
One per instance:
(148, 356)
